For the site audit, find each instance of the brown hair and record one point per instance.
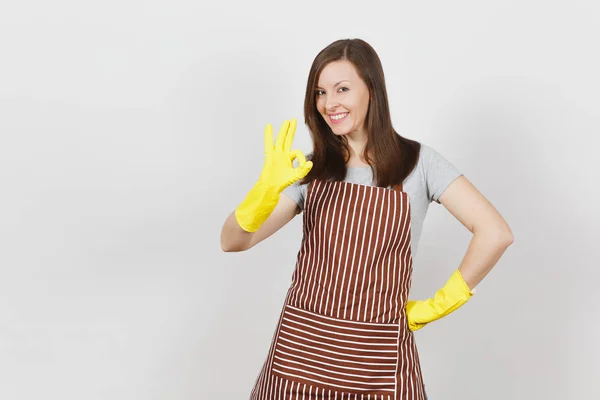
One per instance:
(393, 156)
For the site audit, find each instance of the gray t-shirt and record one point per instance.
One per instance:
(424, 184)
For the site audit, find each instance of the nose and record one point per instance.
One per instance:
(331, 104)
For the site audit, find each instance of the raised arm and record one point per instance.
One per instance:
(234, 238)
(264, 211)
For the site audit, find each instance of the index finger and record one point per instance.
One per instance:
(280, 140)
(268, 138)
(290, 135)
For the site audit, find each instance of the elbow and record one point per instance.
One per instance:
(500, 237)
(227, 247)
(510, 239)
(505, 238)
(231, 248)
(506, 241)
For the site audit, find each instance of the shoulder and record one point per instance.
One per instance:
(427, 152)
(431, 160)
(437, 172)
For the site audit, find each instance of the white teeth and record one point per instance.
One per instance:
(338, 117)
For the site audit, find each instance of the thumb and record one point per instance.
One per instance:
(303, 170)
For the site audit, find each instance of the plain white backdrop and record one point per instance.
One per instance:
(130, 130)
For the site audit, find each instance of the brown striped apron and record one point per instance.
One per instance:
(342, 333)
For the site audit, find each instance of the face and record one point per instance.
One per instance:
(342, 98)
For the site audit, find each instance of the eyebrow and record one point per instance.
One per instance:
(319, 87)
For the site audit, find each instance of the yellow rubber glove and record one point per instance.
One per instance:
(454, 294)
(278, 173)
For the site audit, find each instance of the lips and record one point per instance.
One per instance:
(337, 121)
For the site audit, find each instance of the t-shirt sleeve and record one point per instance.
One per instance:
(297, 193)
(438, 171)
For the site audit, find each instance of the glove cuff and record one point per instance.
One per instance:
(458, 283)
(257, 206)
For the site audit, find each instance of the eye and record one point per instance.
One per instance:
(319, 92)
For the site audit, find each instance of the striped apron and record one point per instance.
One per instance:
(342, 333)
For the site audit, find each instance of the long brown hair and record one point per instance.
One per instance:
(394, 156)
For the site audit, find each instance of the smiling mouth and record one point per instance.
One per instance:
(336, 119)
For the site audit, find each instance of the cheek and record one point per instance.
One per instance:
(319, 104)
(358, 104)
(364, 106)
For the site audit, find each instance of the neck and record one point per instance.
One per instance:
(356, 144)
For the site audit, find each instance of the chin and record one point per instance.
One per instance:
(339, 133)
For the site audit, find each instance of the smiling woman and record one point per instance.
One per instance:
(346, 327)
(347, 112)
(344, 107)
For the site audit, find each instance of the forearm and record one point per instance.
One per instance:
(484, 251)
(233, 237)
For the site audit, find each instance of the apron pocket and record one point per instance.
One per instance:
(336, 354)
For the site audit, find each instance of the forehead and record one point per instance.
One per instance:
(336, 71)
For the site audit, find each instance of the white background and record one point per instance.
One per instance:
(130, 130)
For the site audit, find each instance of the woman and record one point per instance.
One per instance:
(346, 328)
